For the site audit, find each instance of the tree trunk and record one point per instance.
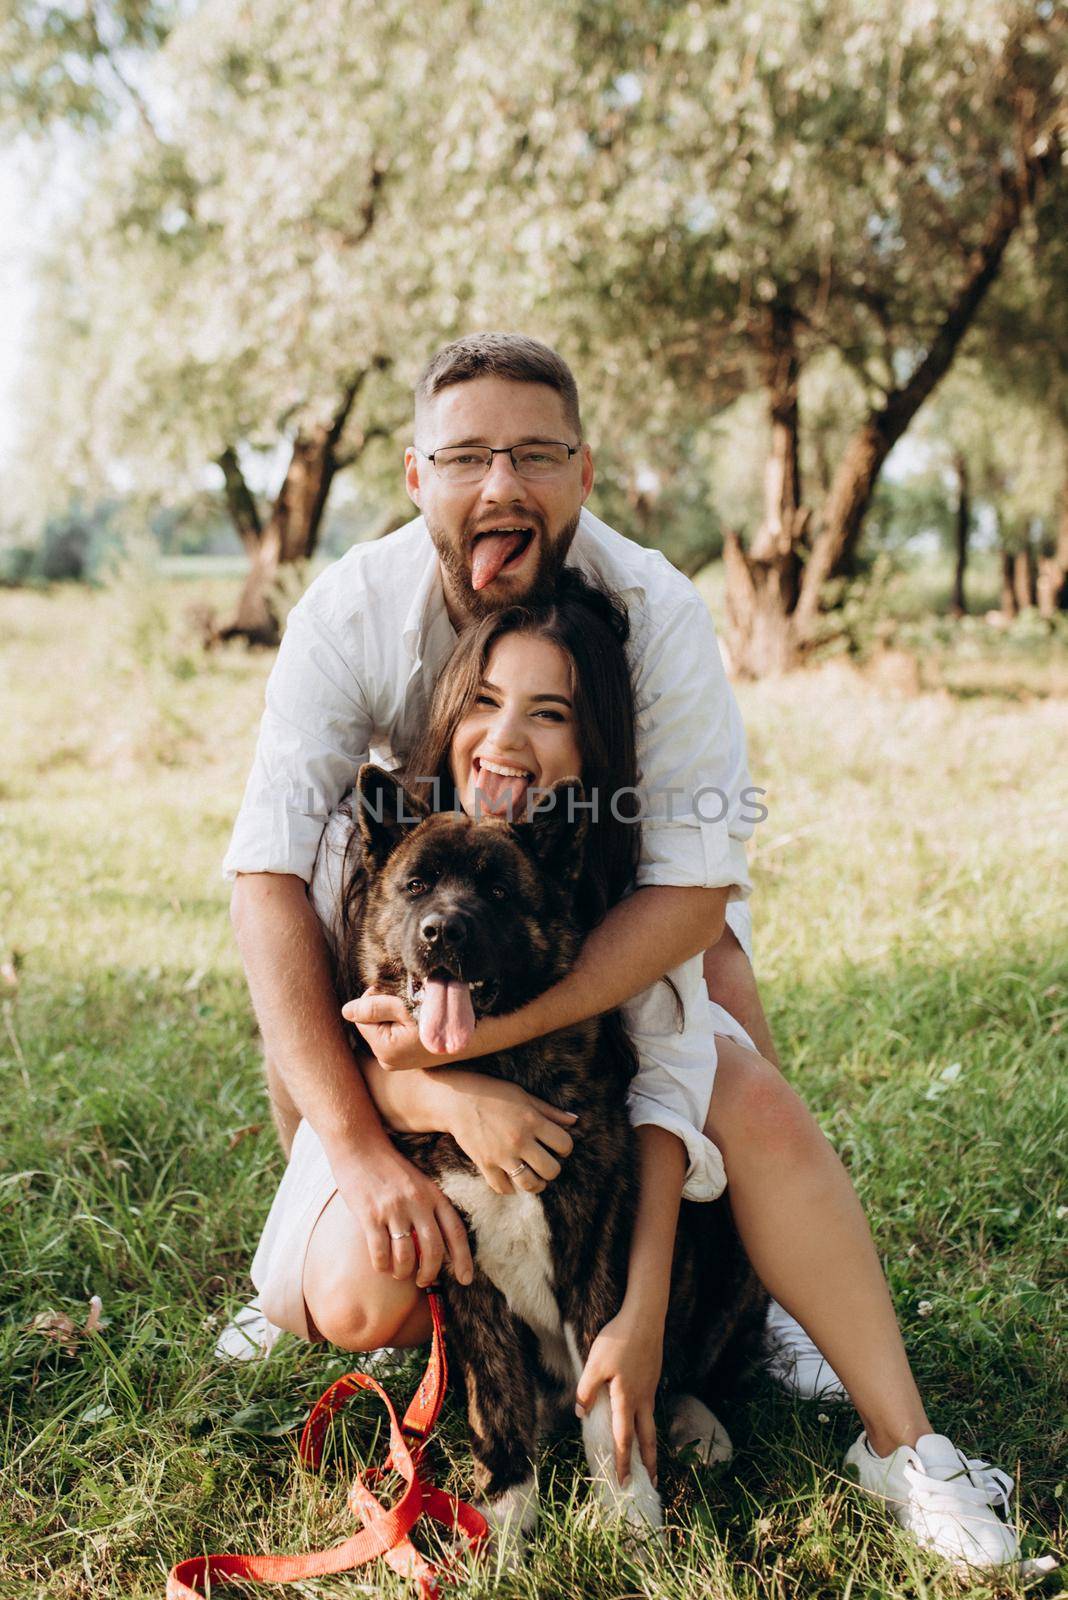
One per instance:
(1024, 576)
(291, 532)
(1009, 607)
(1053, 569)
(763, 583)
(958, 604)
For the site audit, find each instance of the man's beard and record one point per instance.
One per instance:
(477, 604)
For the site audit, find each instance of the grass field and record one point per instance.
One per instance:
(910, 905)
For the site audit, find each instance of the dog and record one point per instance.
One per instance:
(466, 918)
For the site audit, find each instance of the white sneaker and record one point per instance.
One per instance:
(794, 1361)
(949, 1504)
(249, 1337)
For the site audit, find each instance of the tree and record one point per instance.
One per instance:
(697, 200)
(995, 447)
(235, 290)
(1024, 351)
(747, 189)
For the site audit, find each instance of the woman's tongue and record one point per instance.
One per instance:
(491, 551)
(446, 1016)
(500, 796)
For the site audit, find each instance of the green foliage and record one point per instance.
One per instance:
(1012, 443)
(62, 63)
(72, 547)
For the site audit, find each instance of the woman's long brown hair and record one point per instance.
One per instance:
(591, 627)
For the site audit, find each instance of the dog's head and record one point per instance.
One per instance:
(466, 918)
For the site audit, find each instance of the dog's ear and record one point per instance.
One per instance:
(385, 810)
(556, 832)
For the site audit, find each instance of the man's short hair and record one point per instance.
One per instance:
(500, 355)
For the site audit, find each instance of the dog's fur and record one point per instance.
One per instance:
(550, 1269)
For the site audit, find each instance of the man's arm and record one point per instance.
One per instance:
(287, 965)
(640, 939)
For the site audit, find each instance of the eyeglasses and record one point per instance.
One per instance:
(468, 463)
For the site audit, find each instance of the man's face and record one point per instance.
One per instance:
(503, 539)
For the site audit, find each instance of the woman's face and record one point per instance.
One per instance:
(520, 732)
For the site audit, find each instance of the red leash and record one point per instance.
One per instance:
(385, 1531)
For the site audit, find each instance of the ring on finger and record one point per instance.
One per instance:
(405, 1235)
(522, 1167)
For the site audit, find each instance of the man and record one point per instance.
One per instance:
(491, 536)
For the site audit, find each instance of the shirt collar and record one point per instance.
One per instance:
(586, 546)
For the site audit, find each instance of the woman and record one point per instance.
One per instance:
(527, 698)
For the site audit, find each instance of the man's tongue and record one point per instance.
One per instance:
(491, 551)
(446, 1017)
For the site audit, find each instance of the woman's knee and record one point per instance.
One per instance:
(752, 1102)
(348, 1302)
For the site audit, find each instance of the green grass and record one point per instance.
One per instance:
(910, 903)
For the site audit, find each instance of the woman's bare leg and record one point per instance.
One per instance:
(730, 981)
(348, 1302)
(806, 1234)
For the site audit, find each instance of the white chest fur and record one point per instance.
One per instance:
(512, 1249)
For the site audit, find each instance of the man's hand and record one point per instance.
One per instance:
(627, 1355)
(500, 1126)
(398, 1206)
(390, 1031)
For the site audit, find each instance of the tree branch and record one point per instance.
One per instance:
(240, 501)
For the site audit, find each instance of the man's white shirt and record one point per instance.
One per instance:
(353, 680)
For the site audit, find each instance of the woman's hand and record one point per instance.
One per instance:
(515, 1140)
(390, 1031)
(400, 1208)
(627, 1355)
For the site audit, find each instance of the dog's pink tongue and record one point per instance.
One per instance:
(489, 555)
(446, 1017)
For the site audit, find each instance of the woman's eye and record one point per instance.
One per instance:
(483, 700)
(551, 716)
(416, 887)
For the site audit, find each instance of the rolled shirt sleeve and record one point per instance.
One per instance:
(315, 732)
(672, 1088)
(694, 777)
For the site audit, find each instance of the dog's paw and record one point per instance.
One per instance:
(635, 1503)
(693, 1425)
(512, 1517)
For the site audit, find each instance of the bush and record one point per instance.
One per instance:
(17, 566)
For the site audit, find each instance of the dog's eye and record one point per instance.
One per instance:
(498, 891)
(416, 887)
